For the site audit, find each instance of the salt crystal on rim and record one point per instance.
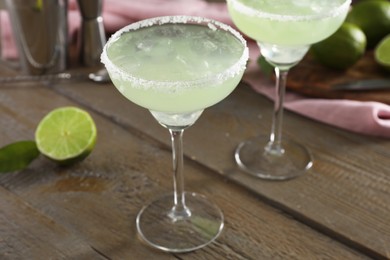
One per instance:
(175, 86)
(247, 10)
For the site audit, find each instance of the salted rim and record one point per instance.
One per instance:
(232, 71)
(242, 8)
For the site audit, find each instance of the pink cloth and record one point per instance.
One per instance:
(370, 118)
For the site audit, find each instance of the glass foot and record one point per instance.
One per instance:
(202, 226)
(253, 157)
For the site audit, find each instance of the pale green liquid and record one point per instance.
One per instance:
(172, 58)
(288, 22)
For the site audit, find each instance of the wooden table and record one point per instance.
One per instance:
(339, 210)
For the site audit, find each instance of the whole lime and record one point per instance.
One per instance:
(342, 49)
(373, 17)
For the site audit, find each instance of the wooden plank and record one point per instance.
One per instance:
(27, 232)
(64, 195)
(98, 199)
(345, 194)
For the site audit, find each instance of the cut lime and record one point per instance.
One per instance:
(382, 53)
(66, 135)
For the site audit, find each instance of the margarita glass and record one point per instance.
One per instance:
(284, 31)
(176, 66)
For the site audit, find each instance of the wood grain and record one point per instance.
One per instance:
(345, 195)
(97, 200)
(312, 79)
(27, 232)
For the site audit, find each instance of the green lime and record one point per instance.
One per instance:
(342, 49)
(373, 17)
(382, 52)
(38, 5)
(66, 135)
(266, 68)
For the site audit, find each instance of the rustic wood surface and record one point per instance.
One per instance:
(311, 78)
(338, 210)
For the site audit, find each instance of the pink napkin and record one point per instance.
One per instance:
(370, 118)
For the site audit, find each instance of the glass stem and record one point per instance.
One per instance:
(179, 209)
(275, 143)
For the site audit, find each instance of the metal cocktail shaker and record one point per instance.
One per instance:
(92, 34)
(41, 32)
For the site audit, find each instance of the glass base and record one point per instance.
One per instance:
(253, 157)
(157, 228)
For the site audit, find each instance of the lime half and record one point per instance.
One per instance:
(382, 53)
(66, 135)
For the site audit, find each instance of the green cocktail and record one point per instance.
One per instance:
(284, 31)
(176, 67)
(299, 22)
(167, 62)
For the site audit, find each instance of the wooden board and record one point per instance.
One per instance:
(311, 78)
(88, 210)
(344, 195)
